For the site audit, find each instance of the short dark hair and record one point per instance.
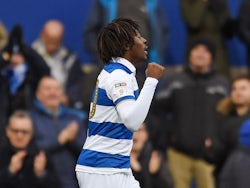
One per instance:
(241, 77)
(202, 40)
(114, 39)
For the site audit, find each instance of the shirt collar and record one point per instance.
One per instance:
(124, 62)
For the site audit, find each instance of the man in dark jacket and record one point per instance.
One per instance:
(22, 165)
(190, 97)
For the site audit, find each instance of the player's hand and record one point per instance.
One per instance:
(155, 70)
(16, 162)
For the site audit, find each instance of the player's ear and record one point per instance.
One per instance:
(127, 46)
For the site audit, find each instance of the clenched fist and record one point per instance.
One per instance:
(155, 70)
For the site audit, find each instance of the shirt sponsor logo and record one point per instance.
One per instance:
(120, 84)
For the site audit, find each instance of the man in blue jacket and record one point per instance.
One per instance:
(58, 130)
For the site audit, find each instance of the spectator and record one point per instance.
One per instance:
(235, 173)
(22, 164)
(64, 64)
(20, 70)
(148, 12)
(148, 165)
(208, 17)
(58, 130)
(190, 98)
(234, 110)
(3, 36)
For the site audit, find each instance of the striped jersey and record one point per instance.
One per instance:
(109, 142)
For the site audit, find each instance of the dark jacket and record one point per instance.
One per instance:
(235, 173)
(75, 84)
(190, 100)
(162, 179)
(229, 126)
(23, 98)
(25, 178)
(4, 96)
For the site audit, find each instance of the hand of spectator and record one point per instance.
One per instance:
(69, 133)
(40, 163)
(155, 162)
(65, 100)
(208, 142)
(72, 130)
(16, 162)
(135, 164)
(154, 70)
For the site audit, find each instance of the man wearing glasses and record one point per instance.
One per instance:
(21, 162)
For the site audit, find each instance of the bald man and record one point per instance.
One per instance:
(64, 64)
(52, 36)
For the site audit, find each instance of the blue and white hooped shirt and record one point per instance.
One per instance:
(109, 142)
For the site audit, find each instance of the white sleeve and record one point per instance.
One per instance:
(134, 112)
(119, 87)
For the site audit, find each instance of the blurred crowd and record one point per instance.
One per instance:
(197, 133)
